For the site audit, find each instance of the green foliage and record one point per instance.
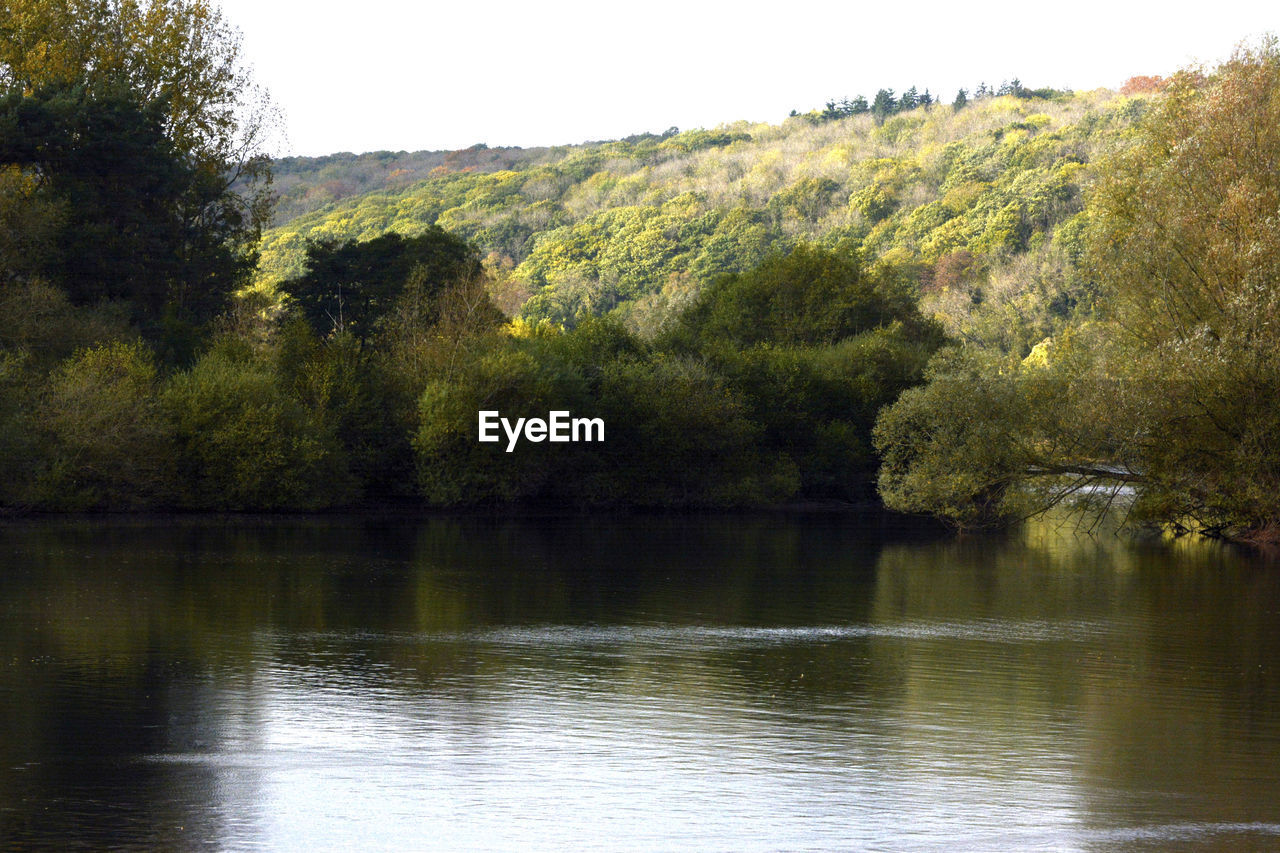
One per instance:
(676, 433)
(151, 231)
(178, 54)
(953, 448)
(110, 446)
(817, 404)
(453, 467)
(352, 391)
(815, 345)
(680, 435)
(157, 91)
(42, 325)
(602, 227)
(990, 439)
(244, 443)
(698, 140)
(1171, 396)
(352, 287)
(1185, 241)
(810, 296)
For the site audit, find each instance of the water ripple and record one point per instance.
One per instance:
(574, 636)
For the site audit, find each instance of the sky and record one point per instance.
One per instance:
(395, 75)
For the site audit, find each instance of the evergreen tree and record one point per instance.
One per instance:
(884, 105)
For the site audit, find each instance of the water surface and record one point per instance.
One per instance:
(714, 683)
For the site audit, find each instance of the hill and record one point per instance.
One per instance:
(637, 226)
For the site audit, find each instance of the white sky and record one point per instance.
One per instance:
(395, 75)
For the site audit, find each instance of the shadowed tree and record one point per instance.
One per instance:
(351, 287)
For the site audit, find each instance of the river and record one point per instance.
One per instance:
(718, 682)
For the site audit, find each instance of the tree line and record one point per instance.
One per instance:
(137, 371)
(887, 103)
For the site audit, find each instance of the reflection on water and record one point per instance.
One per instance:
(716, 683)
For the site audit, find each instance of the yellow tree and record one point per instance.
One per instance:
(181, 52)
(1186, 242)
(131, 130)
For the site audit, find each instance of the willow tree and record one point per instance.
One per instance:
(1186, 240)
(1177, 391)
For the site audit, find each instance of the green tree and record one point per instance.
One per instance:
(884, 105)
(353, 286)
(150, 231)
(1186, 243)
(244, 442)
(1172, 395)
(110, 446)
(811, 296)
(179, 54)
(156, 88)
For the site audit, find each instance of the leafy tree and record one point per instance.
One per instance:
(988, 440)
(1165, 396)
(150, 231)
(809, 296)
(178, 54)
(110, 446)
(244, 442)
(352, 287)
(816, 346)
(1186, 241)
(453, 468)
(157, 89)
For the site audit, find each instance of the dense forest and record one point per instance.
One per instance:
(975, 307)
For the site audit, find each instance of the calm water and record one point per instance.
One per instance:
(721, 683)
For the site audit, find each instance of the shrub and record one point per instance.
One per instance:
(110, 447)
(244, 443)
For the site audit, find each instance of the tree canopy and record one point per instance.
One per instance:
(352, 286)
(1173, 393)
(151, 230)
(158, 91)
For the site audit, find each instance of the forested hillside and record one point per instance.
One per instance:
(304, 184)
(974, 309)
(959, 193)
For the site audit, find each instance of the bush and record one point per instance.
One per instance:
(453, 467)
(109, 444)
(244, 443)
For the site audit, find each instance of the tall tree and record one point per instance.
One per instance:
(1175, 395)
(884, 104)
(135, 221)
(350, 287)
(180, 53)
(1186, 240)
(156, 89)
